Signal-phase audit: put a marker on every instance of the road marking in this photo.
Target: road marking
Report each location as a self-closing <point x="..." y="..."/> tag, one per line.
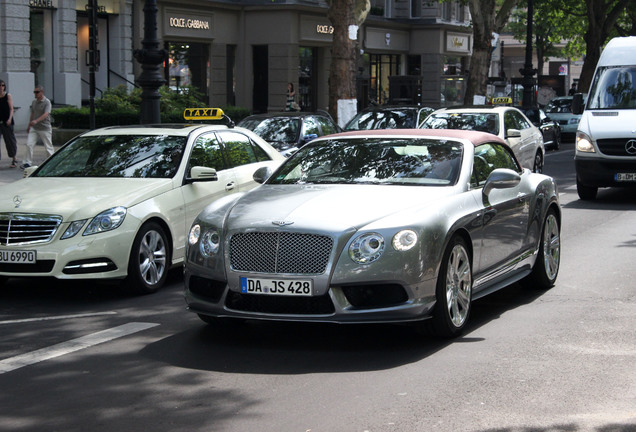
<point x="73" y="345"/>
<point x="56" y="317"/>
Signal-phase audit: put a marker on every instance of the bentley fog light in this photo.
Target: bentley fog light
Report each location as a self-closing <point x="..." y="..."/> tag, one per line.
<point x="106" y="221"/>
<point x="404" y="240"/>
<point x="210" y="243"/>
<point x="195" y="232"/>
<point x="73" y="229"/>
<point x="584" y="143"/>
<point x="366" y="248"/>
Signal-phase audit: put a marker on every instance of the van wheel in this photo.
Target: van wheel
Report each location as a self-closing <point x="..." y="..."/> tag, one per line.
<point x="587" y="193"/>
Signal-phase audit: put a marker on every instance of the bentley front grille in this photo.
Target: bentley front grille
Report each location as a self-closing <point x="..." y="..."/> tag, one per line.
<point x="26" y="228"/>
<point x="280" y="252"/>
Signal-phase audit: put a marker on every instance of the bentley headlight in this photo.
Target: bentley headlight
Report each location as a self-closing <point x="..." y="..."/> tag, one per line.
<point x="195" y="233"/>
<point x="210" y="241"/>
<point x="73" y="229"/>
<point x="366" y="248"/>
<point x="584" y="143"/>
<point x="106" y="221"/>
<point x="404" y="240"/>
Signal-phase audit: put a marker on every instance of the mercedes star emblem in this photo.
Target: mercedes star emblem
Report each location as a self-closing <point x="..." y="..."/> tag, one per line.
<point x="630" y="147"/>
<point x="17" y="200"/>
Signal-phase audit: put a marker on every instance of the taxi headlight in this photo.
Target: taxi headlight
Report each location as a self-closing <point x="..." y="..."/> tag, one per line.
<point x="584" y="143"/>
<point x="366" y="248"/>
<point x="73" y="229"/>
<point x="106" y="221"/>
<point x="404" y="240"/>
<point x="195" y="233"/>
<point x="210" y="241"/>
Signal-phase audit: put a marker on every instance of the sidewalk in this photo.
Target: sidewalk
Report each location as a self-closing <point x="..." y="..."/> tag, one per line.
<point x="9" y="175"/>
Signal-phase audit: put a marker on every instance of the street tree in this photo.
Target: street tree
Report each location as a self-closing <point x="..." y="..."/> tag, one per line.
<point x="488" y="17"/>
<point x="552" y="25"/>
<point x="344" y="53"/>
<point x="602" y="16"/>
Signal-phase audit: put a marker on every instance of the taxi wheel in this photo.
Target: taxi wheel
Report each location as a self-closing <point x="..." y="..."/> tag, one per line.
<point x="546" y="268"/>
<point x="149" y="260"/>
<point x="454" y="291"/>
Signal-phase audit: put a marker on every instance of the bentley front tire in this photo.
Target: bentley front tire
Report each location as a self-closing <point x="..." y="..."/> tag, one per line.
<point x="454" y="291"/>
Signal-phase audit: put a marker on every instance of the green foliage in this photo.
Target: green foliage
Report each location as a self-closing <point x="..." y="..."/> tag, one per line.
<point x="118" y="98"/>
<point x="118" y="106"/>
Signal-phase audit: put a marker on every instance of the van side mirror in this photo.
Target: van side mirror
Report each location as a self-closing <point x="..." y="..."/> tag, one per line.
<point x="577" y="103"/>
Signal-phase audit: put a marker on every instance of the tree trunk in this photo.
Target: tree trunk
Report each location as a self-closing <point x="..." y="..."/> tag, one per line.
<point x="483" y="16"/>
<point x="342" y="75"/>
<point x="486" y="21"/>
<point x="601" y="20"/>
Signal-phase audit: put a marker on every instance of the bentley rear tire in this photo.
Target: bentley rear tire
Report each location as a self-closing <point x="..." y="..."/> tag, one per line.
<point x="546" y="268"/>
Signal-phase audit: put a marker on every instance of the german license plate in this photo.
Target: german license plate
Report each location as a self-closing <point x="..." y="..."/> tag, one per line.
<point x="287" y="287"/>
<point x="626" y="177"/>
<point x="18" y="257"/>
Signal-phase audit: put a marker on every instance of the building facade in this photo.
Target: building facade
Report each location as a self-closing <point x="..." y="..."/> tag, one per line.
<point x="241" y="53"/>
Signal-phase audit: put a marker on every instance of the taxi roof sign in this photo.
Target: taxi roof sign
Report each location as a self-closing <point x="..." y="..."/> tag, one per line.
<point x="501" y="100"/>
<point x="203" y="114"/>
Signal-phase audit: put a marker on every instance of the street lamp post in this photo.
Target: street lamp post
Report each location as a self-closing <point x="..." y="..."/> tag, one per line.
<point x="151" y="59"/>
<point x="527" y="72"/>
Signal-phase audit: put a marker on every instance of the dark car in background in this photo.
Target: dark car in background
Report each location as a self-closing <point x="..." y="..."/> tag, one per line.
<point x="560" y="110"/>
<point x="288" y="131"/>
<point x="550" y="129"/>
<point x="389" y="117"/>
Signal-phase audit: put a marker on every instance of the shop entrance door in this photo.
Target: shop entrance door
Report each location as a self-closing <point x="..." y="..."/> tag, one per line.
<point x="260" y="91"/>
<point x="307" y="78"/>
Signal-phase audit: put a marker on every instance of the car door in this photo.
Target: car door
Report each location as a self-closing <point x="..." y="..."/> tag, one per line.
<point x="207" y="151"/>
<point x="505" y="213"/>
<point x="510" y="121"/>
<point x="244" y="157"/>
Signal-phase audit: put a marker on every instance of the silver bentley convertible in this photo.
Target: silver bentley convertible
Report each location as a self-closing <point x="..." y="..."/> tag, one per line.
<point x="377" y="226"/>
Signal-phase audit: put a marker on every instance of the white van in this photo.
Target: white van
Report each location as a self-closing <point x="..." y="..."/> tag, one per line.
<point x="605" y="152"/>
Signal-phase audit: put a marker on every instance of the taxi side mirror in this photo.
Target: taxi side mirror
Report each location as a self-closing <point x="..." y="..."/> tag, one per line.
<point x="200" y="173"/>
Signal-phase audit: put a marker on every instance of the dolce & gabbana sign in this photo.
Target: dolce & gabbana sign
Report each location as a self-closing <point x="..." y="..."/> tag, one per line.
<point x="181" y="23"/>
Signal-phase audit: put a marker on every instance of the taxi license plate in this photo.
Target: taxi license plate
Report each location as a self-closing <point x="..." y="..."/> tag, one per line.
<point x="18" y="257"/>
<point x="287" y="287"/>
<point x="626" y="177"/>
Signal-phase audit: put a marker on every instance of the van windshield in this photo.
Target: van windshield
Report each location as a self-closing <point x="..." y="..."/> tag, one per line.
<point x="613" y="88"/>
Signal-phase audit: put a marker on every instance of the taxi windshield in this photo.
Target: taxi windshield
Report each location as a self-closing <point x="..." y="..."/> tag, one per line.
<point x="136" y="156"/>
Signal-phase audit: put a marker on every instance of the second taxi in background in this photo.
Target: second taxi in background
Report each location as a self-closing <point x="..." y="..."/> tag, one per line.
<point x="507" y="122"/>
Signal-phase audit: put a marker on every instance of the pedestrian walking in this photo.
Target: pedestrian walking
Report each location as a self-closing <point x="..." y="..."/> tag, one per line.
<point x="39" y="126"/>
<point x="7" y="123"/>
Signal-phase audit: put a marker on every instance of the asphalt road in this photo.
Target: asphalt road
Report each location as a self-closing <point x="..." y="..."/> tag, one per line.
<point x="85" y="357"/>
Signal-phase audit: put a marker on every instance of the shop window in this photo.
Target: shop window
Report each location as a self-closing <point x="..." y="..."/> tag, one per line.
<point x="307" y="79"/>
<point x="382" y="66"/>
<point x="230" y="79"/>
<point x="40" y="40"/>
<point x="188" y="65"/>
